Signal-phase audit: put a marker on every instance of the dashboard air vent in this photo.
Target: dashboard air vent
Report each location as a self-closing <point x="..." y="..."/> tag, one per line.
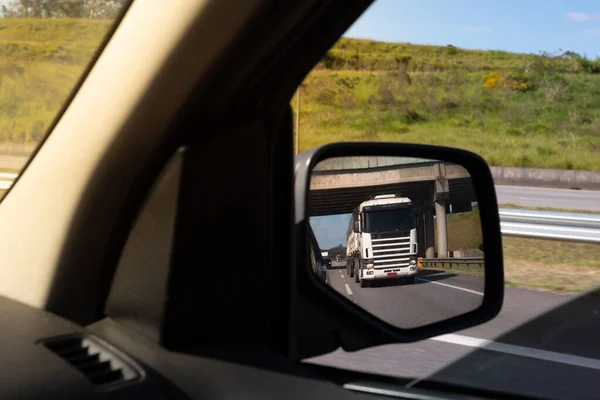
<point x="101" y="365"/>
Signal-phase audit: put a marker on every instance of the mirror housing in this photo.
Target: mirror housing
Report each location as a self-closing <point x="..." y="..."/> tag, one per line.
<point x="356" y="226"/>
<point x="323" y="321"/>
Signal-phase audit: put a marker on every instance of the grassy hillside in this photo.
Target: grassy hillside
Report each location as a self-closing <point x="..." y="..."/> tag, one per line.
<point x="359" y="54"/>
<point x="513" y="109"/>
<point x="40" y="62"/>
<point x="463" y="229"/>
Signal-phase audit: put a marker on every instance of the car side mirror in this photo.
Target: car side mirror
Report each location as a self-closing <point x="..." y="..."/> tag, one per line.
<point x="416" y="269"/>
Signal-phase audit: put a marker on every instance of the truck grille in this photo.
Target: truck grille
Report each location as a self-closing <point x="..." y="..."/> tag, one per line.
<point x="391" y="252"/>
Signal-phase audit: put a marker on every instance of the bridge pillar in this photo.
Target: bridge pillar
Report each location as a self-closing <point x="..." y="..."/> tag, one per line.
<point x="429" y="233"/>
<point x="441" y="194"/>
<point x="442" y="234"/>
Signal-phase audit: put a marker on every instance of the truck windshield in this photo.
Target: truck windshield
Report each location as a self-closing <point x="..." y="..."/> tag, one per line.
<point x="399" y="219"/>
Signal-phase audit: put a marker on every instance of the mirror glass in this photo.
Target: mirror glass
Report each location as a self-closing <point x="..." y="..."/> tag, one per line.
<point x="398" y="236"/>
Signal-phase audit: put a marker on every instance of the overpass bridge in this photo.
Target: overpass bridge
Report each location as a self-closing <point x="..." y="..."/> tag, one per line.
<point x="339" y="185"/>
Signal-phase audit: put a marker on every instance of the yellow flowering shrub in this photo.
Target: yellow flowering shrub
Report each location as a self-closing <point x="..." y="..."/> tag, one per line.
<point x="511" y="80"/>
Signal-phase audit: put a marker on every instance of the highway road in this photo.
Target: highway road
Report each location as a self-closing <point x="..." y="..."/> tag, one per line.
<point x="423" y="358"/>
<point x="433" y="297"/>
<point x="555" y="351"/>
<point x="588" y="200"/>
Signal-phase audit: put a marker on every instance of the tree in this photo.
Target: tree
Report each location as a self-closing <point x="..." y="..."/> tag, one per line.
<point x="103" y="9"/>
<point x="92" y="9"/>
<point x="339" y="250"/>
<point x="65" y="8"/>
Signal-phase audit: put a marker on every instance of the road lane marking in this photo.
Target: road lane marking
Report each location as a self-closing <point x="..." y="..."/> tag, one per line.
<point x="451" y="286"/>
<point x="341" y="275"/>
<point x="521" y="351"/>
<point x="348" y="290"/>
<point x="529" y="198"/>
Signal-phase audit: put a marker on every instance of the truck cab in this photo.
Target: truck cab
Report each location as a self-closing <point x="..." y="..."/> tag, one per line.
<point x="382" y="240"/>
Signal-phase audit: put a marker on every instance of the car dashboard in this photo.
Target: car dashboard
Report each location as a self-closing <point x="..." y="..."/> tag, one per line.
<point x="48" y="357"/>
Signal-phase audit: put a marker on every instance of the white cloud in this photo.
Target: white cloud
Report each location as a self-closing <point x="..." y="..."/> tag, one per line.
<point x="583" y="17"/>
<point x="473" y="29"/>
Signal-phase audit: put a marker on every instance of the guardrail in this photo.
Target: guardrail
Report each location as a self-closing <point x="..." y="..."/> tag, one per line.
<point x="467" y="263"/>
<point x="6" y="180"/>
<point x="513" y="222"/>
<point x="550" y="225"/>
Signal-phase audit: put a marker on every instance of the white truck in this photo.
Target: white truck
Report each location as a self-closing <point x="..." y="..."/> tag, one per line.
<point x="382" y="240"/>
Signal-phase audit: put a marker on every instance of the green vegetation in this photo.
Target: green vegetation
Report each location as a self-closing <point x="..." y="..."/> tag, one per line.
<point x="551" y="265"/>
<point x="513" y="109"/>
<point x="90" y="9"/>
<point x="547" y="265"/>
<point x="551" y="252"/>
<point x="358" y="54"/>
<point x="464" y="230"/>
<point x="40" y="62"/>
<point x="338" y="250"/>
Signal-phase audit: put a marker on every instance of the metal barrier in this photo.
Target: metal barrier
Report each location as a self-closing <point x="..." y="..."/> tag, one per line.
<point x="6" y="180"/>
<point x="550" y="225"/>
<point x="452" y="263"/>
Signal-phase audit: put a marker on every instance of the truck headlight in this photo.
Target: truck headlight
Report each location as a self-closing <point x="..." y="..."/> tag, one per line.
<point x="369" y="266"/>
<point x="412" y="262"/>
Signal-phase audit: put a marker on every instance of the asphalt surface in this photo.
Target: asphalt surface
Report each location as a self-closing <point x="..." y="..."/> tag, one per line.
<point x="541" y="344"/>
<point x="585" y="200"/>
<point x="555" y="356"/>
<point x="433" y="297"/>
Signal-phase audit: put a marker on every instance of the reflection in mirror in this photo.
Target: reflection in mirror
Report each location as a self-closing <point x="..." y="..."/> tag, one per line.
<point x="400" y="237"/>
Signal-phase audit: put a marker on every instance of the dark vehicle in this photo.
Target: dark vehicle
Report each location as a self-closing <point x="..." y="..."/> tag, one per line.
<point x="327" y="262"/>
<point x="317" y="261"/>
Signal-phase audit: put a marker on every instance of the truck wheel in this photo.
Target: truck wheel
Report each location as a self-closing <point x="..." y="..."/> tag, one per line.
<point x="363" y="283"/>
<point x="350" y="271"/>
<point x="356" y="274"/>
<point x="410" y="280"/>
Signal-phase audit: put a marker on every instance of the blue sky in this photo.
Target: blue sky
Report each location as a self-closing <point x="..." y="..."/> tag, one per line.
<point x="330" y="230"/>
<point x="523" y="26"/>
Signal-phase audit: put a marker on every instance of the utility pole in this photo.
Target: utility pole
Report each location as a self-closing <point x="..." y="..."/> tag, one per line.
<point x="297" y="120"/>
